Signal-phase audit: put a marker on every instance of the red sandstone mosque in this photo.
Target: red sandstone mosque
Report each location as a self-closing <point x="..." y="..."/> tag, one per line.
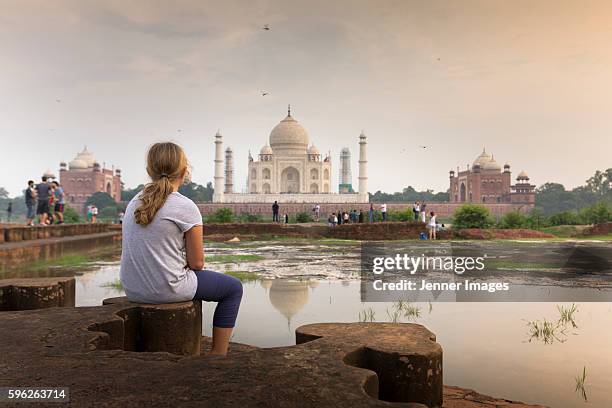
<point x="486" y="182"/>
<point x="84" y="176"/>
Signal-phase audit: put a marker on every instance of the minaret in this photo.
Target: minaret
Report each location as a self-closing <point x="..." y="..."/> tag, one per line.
<point x="346" y="178"/>
<point x="218" y="193"/>
<point x="229" y="171"/>
<point x="363" y="168"/>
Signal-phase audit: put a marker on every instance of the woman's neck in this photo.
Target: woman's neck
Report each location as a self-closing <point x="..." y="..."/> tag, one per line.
<point x="175" y="185"/>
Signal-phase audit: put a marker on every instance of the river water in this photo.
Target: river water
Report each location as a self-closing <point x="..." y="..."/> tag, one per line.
<point x="488" y="347"/>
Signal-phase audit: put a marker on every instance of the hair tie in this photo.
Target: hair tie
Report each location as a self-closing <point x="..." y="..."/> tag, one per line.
<point x="163" y="175"/>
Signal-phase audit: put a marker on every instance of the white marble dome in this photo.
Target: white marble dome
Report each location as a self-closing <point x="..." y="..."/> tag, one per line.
<point x="483" y="159"/>
<point x="266" y="150"/>
<point x="522" y="176"/>
<point x="289" y="135"/>
<point x="77" y="164"/>
<point x="313" y="150"/>
<point x="492" y="165"/>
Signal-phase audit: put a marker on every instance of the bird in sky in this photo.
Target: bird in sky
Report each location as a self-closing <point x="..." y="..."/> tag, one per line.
<point x="423" y="147"/>
<point x="266" y="27"/>
<point x="264" y="93"/>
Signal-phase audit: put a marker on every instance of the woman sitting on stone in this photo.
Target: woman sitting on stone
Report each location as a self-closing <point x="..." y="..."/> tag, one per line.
<point x="163" y="257"/>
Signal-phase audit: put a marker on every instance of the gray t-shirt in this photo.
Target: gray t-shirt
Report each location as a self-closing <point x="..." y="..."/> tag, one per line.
<point x="153" y="259"/>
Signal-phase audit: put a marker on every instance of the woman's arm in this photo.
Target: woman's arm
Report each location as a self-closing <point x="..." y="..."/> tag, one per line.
<point x="194" y="245"/>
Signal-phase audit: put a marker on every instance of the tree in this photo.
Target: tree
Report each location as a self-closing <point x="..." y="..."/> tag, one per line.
<point x="564" y="218"/>
<point x="101" y="200"/>
<point x="598" y="213"/>
<point x="3" y="193"/>
<point x="513" y="219"/>
<point x="128" y="194"/>
<point x="472" y="216"/>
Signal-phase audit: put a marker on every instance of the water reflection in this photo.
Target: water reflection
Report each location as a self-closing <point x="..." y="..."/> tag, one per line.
<point x="485" y="345"/>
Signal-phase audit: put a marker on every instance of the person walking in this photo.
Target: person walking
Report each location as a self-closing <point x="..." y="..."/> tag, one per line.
<point x="371" y="213"/>
<point x="431" y="226"/>
<point x="42" y="194"/>
<point x="162" y="257"/>
<point x="361" y="216"/>
<point x="94" y="213"/>
<point x="423" y="212"/>
<point x="9" y="211"/>
<point x="89" y="213"/>
<point x="286" y="218"/>
<point x="30" y="201"/>
<point x="58" y="192"/>
<point x="383" y="210"/>
<point x="416" y="210"/>
<point x="275" y="208"/>
<point x="317" y="212"/>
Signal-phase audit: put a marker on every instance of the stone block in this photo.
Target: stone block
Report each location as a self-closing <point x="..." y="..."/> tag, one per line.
<point x="40" y="293"/>
<point x="171" y="327"/>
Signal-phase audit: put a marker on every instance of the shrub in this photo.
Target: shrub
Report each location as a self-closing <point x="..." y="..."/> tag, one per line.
<point x="71" y="216"/>
<point x="223" y="215"/>
<point x="564" y="218"/>
<point x="302" y="217"/>
<point x="513" y="219"/>
<point x="406" y="215"/>
<point x="472" y="216"/>
<point x="597" y="213"/>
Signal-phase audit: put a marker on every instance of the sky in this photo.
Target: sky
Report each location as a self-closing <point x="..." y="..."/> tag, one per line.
<point x="529" y="80"/>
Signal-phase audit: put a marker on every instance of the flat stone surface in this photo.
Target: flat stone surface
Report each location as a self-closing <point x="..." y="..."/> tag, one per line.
<point x="82" y="348"/>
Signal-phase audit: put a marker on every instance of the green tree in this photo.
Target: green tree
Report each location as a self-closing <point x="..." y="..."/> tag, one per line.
<point x="472" y="216"/>
<point x="598" y="213"/>
<point x="512" y="220"/>
<point x="564" y="218"/>
<point x="101" y="200"/>
<point x="128" y="194"/>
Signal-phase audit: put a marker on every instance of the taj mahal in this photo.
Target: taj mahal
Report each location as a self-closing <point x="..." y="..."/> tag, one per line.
<point x="288" y="169"/>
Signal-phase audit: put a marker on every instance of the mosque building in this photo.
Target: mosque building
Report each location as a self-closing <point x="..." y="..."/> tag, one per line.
<point x="84" y="176"/>
<point x="486" y="182"/>
<point x="289" y="168"/>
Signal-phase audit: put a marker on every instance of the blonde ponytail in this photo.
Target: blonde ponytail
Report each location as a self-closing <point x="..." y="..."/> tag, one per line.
<point x="166" y="162"/>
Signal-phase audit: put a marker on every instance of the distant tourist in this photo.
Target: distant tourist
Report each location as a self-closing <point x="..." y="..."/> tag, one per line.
<point x="360" y="216"/>
<point x="121" y="215"/>
<point x="345" y="218"/>
<point x="42" y="194"/>
<point x="330" y="220"/>
<point x="371" y="213"/>
<point x="58" y="193"/>
<point x="431" y="226"/>
<point x="94" y="214"/>
<point x="30" y="200"/>
<point x="335" y="219"/>
<point x="286" y="218"/>
<point x="89" y="213"/>
<point x="275" y="208"/>
<point x="9" y="211"/>
<point x="416" y="210"/>
<point x="317" y="212"/>
<point x="423" y="212"/>
<point x="383" y="210"/>
<point x="339" y="218"/>
<point x="162" y="259"/>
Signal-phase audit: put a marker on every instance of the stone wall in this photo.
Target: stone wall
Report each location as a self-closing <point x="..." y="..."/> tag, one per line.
<point x="445" y="210"/>
<point x="372" y="232"/>
<point x="12" y="233"/>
